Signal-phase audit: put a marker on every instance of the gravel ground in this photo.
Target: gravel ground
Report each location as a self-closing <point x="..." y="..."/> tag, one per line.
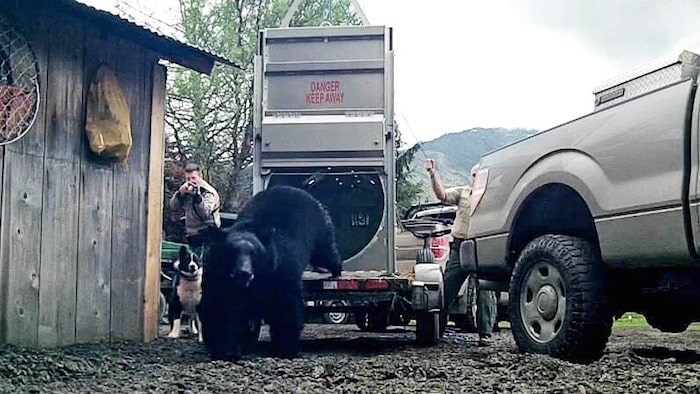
<point x="340" y="359"/>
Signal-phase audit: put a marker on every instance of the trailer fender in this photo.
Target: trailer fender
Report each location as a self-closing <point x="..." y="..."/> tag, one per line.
<point x="427" y="288"/>
<point x="428" y="273"/>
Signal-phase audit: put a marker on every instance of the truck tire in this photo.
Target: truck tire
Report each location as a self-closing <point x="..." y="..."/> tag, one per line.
<point x="666" y="322"/>
<point x="558" y="299"/>
<point x="428" y="327"/>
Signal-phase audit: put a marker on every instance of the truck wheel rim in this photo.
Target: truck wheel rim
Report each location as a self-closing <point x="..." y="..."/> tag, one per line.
<point x="336" y="317"/>
<point x="543" y="302"/>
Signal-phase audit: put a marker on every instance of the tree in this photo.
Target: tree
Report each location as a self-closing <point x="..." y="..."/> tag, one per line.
<point x="209" y="119"/>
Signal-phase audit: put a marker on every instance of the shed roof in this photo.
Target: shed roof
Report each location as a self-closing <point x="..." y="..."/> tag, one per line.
<point x="170" y="48"/>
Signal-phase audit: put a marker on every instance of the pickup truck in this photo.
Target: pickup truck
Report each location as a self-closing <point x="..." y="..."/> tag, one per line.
<point x="597" y="217"/>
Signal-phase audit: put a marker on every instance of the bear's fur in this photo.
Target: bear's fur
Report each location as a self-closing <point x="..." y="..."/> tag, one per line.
<point x="253" y="270"/>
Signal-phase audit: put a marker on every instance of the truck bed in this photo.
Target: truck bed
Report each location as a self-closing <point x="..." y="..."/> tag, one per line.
<point x="625" y="162"/>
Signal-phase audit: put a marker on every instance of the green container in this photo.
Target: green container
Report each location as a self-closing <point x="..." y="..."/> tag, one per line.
<point x="170" y="250"/>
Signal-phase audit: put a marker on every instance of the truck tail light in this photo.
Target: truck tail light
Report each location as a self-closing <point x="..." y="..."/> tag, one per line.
<point x="479" y="188"/>
<point x="440" y="247"/>
<point x="356" y="284"/>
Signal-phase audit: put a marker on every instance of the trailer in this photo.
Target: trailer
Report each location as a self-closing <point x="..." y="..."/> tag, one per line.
<point x="324" y="122"/>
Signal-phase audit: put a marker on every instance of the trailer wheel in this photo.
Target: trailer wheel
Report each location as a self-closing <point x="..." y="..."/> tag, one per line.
<point x="375" y="321"/>
<point x="336" y="317"/>
<point x="360" y="320"/>
<point x="428" y="328"/>
<point x="558" y="299"/>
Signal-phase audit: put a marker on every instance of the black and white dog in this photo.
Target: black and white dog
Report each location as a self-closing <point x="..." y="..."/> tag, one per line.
<point x="187" y="294"/>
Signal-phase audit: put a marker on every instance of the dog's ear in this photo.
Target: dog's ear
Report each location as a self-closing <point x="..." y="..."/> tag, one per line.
<point x="194" y="257"/>
<point x="184" y="255"/>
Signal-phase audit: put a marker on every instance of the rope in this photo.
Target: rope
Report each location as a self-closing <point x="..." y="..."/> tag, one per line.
<point x="329" y="13"/>
<point x="410" y="130"/>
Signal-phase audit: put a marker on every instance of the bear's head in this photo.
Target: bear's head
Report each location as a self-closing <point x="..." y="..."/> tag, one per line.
<point x="230" y="266"/>
<point x="237" y="256"/>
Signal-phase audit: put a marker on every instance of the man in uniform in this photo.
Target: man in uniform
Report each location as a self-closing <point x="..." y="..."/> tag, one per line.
<point x="455" y="275"/>
<point x="201" y="204"/>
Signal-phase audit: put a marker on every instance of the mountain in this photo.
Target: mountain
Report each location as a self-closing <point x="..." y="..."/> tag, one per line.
<point x="456" y="153"/>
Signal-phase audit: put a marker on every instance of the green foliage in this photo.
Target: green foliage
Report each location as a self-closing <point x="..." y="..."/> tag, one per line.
<point x="408" y="190"/>
<point x="209" y="119"/>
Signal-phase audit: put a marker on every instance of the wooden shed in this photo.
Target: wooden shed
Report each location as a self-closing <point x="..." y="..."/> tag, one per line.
<point x="80" y="235"/>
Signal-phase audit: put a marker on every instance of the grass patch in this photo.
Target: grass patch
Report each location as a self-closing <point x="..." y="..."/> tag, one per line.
<point x="627" y="321"/>
<point x="631" y="320"/>
<point x="635" y="320"/>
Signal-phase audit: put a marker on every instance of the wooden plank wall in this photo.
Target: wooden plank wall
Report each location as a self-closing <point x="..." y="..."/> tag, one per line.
<point x="74" y="229"/>
<point x="129" y="208"/>
<point x="95" y="221"/>
<point x="62" y="157"/>
<point x="23" y="169"/>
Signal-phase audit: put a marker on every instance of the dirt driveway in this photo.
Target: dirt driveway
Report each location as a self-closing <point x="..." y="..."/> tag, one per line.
<point x="340" y="359"/>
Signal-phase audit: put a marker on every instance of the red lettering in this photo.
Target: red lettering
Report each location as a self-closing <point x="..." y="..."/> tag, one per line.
<point x="325" y="92"/>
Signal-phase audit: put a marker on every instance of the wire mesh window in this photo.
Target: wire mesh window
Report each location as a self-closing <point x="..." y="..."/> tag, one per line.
<point x="19" y="84"/>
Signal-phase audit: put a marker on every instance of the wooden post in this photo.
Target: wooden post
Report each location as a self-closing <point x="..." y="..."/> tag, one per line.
<point x="4" y="267"/>
<point x="155" y="205"/>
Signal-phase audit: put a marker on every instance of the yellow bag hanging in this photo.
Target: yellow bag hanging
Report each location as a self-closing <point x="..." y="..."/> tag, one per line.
<point x="108" y="123"/>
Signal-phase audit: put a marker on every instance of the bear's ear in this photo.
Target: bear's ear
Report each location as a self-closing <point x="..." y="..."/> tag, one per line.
<point x="217" y="234"/>
<point x="265" y="257"/>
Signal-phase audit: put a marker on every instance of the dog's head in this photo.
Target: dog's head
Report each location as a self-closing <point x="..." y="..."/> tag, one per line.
<point x="187" y="264"/>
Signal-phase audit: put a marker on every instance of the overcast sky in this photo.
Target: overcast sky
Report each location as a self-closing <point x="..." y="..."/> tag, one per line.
<point x="519" y="63"/>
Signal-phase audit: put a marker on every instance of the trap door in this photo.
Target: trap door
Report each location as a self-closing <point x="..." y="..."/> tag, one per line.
<point x="324" y="95"/>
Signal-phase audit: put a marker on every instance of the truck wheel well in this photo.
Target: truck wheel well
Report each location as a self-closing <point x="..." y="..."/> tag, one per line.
<point x="551" y="209"/>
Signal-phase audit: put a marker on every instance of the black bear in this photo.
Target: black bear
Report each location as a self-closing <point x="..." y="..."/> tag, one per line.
<point x="253" y="270"/>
